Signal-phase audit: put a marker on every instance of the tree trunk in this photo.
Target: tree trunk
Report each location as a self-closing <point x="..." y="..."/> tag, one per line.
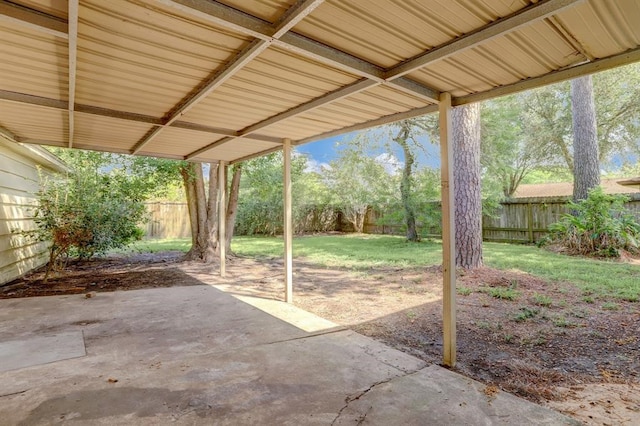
<point x="405" y="184"/>
<point x="468" y="201"/>
<point x="232" y="206"/>
<point x="202" y="212"/>
<point x="586" y="167"/>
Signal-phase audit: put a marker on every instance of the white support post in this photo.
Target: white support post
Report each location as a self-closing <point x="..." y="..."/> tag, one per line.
<point x="448" y="234"/>
<point x="222" y="216"/>
<point x="288" y="224"/>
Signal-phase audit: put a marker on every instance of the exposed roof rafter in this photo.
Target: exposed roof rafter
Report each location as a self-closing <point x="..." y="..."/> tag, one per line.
<point x="294" y="15"/>
<point x="233" y="19"/>
<point x="11" y="12"/>
<point x="9" y="134"/>
<point x="536" y="11"/>
<point x="73" y="59"/>
<point x="123" y="115"/>
<point x="300" y="109"/>
<point x="372" y="123"/>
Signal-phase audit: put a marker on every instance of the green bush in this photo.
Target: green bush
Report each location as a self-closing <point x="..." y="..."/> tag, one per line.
<point x="82" y="217"/>
<point x="598" y="226"/>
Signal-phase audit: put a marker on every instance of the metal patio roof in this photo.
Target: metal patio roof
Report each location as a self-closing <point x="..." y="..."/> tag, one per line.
<point x="228" y="80"/>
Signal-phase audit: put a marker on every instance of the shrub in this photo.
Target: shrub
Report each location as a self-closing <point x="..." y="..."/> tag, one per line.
<point x="598" y="226"/>
<point x="82" y="217"/>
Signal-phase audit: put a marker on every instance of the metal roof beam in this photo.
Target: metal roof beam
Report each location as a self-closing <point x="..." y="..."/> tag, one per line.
<point x="257" y="154"/>
<point x="626" y="58"/>
<point x="34" y="19"/>
<point x="123" y="115"/>
<point x="525" y="16"/>
<point x="372" y="123"/>
<point x="216" y="80"/>
<point x="73" y="59"/>
<point x="294" y="15"/>
<point x="300" y="109"/>
<point x="9" y="134"/>
<point x="233" y="19"/>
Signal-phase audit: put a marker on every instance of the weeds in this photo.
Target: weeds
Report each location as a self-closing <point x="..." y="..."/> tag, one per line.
<point x="464" y="291"/>
<point x="501" y="293"/>
<point x="525" y="314"/>
<point x="542" y="300"/>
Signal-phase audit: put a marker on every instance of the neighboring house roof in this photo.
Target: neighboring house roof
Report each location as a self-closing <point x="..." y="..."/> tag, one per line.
<point x="631" y="182"/>
<point x="565" y="189"/>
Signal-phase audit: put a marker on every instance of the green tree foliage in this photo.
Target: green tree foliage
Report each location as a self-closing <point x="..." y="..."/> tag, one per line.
<point x="359" y="182"/>
<point x="531" y="132"/>
<point x="260" y="208"/>
<point x="598" y="226"/>
<point x="616" y="94"/>
<point x="98" y="205"/>
<point x="510" y="149"/>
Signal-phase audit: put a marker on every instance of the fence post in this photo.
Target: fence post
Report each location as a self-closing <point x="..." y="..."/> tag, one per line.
<point x="530" y="222"/>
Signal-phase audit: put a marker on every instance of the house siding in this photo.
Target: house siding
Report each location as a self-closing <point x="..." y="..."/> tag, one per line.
<point x="20" y="171"/>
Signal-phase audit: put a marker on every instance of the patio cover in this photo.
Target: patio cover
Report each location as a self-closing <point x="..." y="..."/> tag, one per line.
<point x="229" y="80"/>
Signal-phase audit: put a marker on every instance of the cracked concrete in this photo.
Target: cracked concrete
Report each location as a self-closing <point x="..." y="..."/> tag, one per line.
<point x="197" y="356"/>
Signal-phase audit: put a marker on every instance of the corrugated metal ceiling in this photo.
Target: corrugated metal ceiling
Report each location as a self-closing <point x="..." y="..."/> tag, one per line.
<point x="207" y="80"/>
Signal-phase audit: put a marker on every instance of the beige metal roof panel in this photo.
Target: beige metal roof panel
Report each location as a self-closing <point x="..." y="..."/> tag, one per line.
<point x="534" y="50"/>
<point x="34" y="122"/>
<point x="604" y="27"/>
<point x="268" y="10"/>
<point x="150" y="63"/>
<point x="105" y="133"/>
<point x="303" y="126"/>
<point x="384" y="35"/>
<point x="237" y="148"/>
<point x="33" y="62"/>
<point x="276" y="81"/>
<point x="362" y="107"/>
<point x="180" y="142"/>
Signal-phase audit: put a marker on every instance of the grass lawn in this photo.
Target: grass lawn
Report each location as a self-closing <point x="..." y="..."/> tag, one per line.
<point x="595" y="277"/>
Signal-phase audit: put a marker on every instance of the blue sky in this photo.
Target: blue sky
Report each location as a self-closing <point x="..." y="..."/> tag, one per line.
<point x="325" y="150"/>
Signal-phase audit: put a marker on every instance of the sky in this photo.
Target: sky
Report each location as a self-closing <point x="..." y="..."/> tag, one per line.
<point x="323" y="151"/>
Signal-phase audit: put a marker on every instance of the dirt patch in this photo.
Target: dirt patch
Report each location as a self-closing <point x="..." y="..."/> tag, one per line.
<point x="547" y="342"/>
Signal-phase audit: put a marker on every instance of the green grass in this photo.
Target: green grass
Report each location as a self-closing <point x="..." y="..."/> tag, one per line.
<point x="601" y="278"/>
<point x="154" y="246"/>
<point x="351" y="251"/>
<point x="596" y="278"/>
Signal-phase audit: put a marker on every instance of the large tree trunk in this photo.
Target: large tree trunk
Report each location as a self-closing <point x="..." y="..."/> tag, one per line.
<point x="202" y="211"/>
<point x="586" y="167"/>
<point x="405" y="184"/>
<point x="232" y="206"/>
<point x="468" y="201"/>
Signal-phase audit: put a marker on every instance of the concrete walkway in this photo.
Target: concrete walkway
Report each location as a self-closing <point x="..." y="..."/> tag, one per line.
<point x="198" y="356"/>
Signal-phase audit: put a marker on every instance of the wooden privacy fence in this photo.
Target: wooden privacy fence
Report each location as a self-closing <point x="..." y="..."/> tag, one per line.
<point x="167" y="220"/>
<point x="527" y="220"/>
<point x="519" y="221"/>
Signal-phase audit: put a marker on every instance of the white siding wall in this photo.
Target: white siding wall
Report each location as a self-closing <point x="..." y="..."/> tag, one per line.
<point x="19" y="182"/>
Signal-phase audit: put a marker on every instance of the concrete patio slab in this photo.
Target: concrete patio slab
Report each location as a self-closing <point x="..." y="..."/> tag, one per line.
<point x="39" y="350"/>
<point x="197" y="356"/>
